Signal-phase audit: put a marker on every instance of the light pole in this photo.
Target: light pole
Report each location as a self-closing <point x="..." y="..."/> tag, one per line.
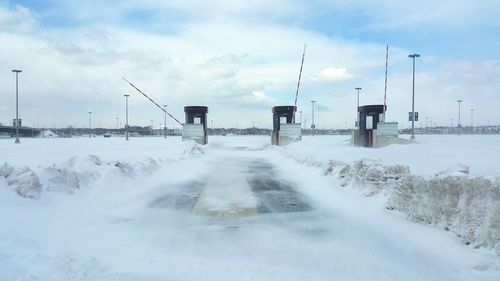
<point x="117" y="123"/>
<point x="152" y="131"/>
<point x="90" y="124"/>
<point x="126" y="116"/>
<point x="413" y="98"/>
<point x="356" y="122"/>
<point x="312" y="125"/>
<point x="459" y="125"/>
<point x="472" y="120"/>
<point x="165" y="129"/>
<point x="17" y="71"/>
<point x="300" y="112"/>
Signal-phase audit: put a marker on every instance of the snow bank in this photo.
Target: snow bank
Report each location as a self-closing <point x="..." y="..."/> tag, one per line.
<point x="452" y="200"/>
<point x="466" y="206"/>
<point x="24" y="180"/>
<point x="81" y="171"/>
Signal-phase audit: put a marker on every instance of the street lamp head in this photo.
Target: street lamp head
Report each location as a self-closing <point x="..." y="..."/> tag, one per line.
<point x="126" y="96"/>
<point x="17" y="70"/>
<point x="313" y="101"/>
<point x="459" y="100"/>
<point x="358" y="88"/>
<point x="414" y="56"/>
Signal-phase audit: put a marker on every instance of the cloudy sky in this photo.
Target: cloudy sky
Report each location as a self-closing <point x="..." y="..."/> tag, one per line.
<point x="240" y="58"/>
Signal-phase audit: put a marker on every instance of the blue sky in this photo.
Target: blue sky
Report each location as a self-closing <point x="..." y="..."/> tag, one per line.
<point x="240" y="58"/>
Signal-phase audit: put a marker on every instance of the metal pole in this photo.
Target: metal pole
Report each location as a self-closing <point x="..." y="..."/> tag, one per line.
<point x="459" y="125"/>
<point x="90" y="124"/>
<point x="212" y="125"/>
<point x="165" y="129"/>
<point x="117" y="123"/>
<point x="312" y="125"/>
<point x="17" y="71"/>
<point x="356" y="122"/>
<point x="413" y="98"/>
<point x="472" y="119"/>
<point x="126" y="116"/>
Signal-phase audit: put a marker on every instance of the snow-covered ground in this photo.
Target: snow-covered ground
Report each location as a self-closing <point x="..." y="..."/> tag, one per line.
<point x="236" y="209"/>
<point x="430" y="155"/>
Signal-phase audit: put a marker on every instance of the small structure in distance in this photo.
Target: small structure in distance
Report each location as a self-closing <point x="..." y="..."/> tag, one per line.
<point x="285" y="131"/>
<point x="372" y="131"/>
<point x="195" y="126"/>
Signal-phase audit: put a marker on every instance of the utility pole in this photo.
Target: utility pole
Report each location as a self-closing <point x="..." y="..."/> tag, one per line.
<point x="17" y="71"/>
<point x="413" y="98"/>
<point x="126" y="116"/>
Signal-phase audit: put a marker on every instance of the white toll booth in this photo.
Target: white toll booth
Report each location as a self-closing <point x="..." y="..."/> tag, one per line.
<point x="284" y="130"/>
<point x="372" y="132"/>
<point x="195" y="127"/>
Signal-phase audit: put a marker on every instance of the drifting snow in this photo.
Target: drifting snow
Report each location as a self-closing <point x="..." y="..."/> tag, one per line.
<point x="112" y="210"/>
<point x="453" y="200"/>
<point x="22" y="179"/>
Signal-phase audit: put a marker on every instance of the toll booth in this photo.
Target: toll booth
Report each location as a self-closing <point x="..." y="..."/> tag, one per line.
<point x="368" y="119"/>
<point x="285" y="131"/>
<point x="195" y="126"/>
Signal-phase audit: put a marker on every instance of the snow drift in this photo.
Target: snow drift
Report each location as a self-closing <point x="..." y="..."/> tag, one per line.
<point x="452" y="200"/>
<point x="79" y="172"/>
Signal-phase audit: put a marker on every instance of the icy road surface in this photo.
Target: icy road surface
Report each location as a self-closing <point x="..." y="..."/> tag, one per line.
<point x="233" y="211"/>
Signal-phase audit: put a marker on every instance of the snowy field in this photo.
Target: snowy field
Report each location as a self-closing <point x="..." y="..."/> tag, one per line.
<point x="240" y="209"/>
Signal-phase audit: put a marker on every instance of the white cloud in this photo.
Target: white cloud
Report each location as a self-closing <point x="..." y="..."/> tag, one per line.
<point x="18" y="19"/>
<point x="333" y="74"/>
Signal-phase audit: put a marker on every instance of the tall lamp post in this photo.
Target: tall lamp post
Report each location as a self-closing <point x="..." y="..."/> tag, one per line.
<point x="117" y="123"/>
<point x="472" y="120"/>
<point x="165" y="128"/>
<point x="357" y="108"/>
<point x="312" y="124"/>
<point x="126" y="116"/>
<point x="90" y="124"/>
<point x="459" y="126"/>
<point x="17" y="71"/>
<point x="413" y="98"/>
